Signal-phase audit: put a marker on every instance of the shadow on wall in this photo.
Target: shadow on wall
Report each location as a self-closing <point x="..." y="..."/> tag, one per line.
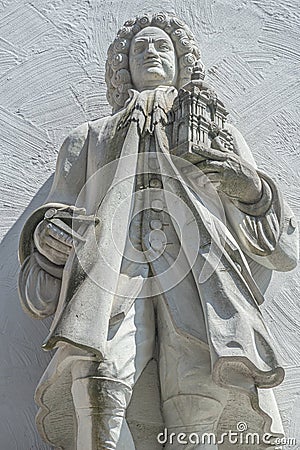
<point x="22" y="361"/>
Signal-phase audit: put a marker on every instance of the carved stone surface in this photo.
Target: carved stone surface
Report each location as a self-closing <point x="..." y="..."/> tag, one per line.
<point x="229" y="403"/>
<point x="136" y="248"/>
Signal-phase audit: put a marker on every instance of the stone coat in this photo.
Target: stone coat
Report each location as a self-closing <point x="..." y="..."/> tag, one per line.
<point x="96" y="287"/>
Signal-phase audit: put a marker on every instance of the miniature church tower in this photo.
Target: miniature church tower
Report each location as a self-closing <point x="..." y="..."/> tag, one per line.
<point x="199" y="117"/>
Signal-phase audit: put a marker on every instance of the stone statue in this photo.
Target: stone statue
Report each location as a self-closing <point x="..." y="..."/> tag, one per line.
<point x="154" y="243"/>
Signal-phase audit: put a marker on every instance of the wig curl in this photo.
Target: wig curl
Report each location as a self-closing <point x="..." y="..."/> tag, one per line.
<point x="117" y="74"/>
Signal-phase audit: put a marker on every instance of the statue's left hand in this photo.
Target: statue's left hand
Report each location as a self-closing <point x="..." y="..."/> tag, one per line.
<point x="234" y="177"/>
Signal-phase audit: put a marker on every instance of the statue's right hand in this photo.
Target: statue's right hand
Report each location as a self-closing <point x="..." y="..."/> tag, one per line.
<point x="52" y="242"/>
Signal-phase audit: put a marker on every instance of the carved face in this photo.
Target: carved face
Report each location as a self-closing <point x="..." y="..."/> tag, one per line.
<point x="152" y="59"/>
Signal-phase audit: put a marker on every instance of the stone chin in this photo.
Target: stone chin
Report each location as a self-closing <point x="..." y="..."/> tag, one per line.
<point x="154" y="73"/>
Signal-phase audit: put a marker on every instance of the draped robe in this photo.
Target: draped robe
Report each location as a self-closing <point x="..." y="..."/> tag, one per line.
<point x="221" y="239"/>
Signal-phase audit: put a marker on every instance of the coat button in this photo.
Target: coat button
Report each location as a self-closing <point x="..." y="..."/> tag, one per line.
<point x="293" y="222"/>
<point x="157" y="240"/>
<point x="157" y="205"/>
<point x="155" y="183"/>
<point x="157" y="245"/>
<point x="156" y="225"/>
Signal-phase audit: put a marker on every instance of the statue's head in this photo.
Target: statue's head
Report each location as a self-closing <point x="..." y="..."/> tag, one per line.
<point x="150" y="51"/>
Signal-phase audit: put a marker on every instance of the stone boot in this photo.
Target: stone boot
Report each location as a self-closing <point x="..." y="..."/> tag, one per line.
<point x="100" y="405"/>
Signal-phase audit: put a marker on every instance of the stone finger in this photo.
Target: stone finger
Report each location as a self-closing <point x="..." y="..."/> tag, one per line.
<point x="211" y="166"/>
<point x="54" y="255"/>
<point x="60" y="246"/>
<point x="59" y="234"/>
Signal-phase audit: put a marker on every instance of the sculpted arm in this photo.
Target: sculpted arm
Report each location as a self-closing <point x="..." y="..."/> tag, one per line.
<point x="44" y="248"/>
<point x="266" y="228"/>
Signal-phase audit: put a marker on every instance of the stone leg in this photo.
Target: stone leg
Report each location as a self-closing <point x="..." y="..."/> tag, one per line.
<point x="190" y="422"/>
<point x="100" y="405"/>
<point x="101" y="392"/>
<point x="191" y="402"/>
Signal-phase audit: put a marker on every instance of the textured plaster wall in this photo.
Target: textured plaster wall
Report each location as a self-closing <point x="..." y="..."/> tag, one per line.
<point x="52" y="56"/>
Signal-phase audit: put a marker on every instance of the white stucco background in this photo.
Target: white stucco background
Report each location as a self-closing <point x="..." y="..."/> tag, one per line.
<point x="52" y="56"/>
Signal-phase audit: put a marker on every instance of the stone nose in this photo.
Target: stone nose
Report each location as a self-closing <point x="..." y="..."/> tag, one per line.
<point x="151" y="50"/>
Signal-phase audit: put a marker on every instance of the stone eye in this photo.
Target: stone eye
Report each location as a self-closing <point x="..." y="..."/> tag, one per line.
<point x="164" y="46"/>
<point x="139" y="47"/>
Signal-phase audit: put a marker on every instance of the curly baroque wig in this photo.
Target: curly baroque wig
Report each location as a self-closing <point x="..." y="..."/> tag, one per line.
<point x="117" y="76"/>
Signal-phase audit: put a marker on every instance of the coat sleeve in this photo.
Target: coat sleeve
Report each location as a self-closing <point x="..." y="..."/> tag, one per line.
<point x="267" y="230"/>
<point x="39" y="278"/>
<point x="71" y="167"/>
